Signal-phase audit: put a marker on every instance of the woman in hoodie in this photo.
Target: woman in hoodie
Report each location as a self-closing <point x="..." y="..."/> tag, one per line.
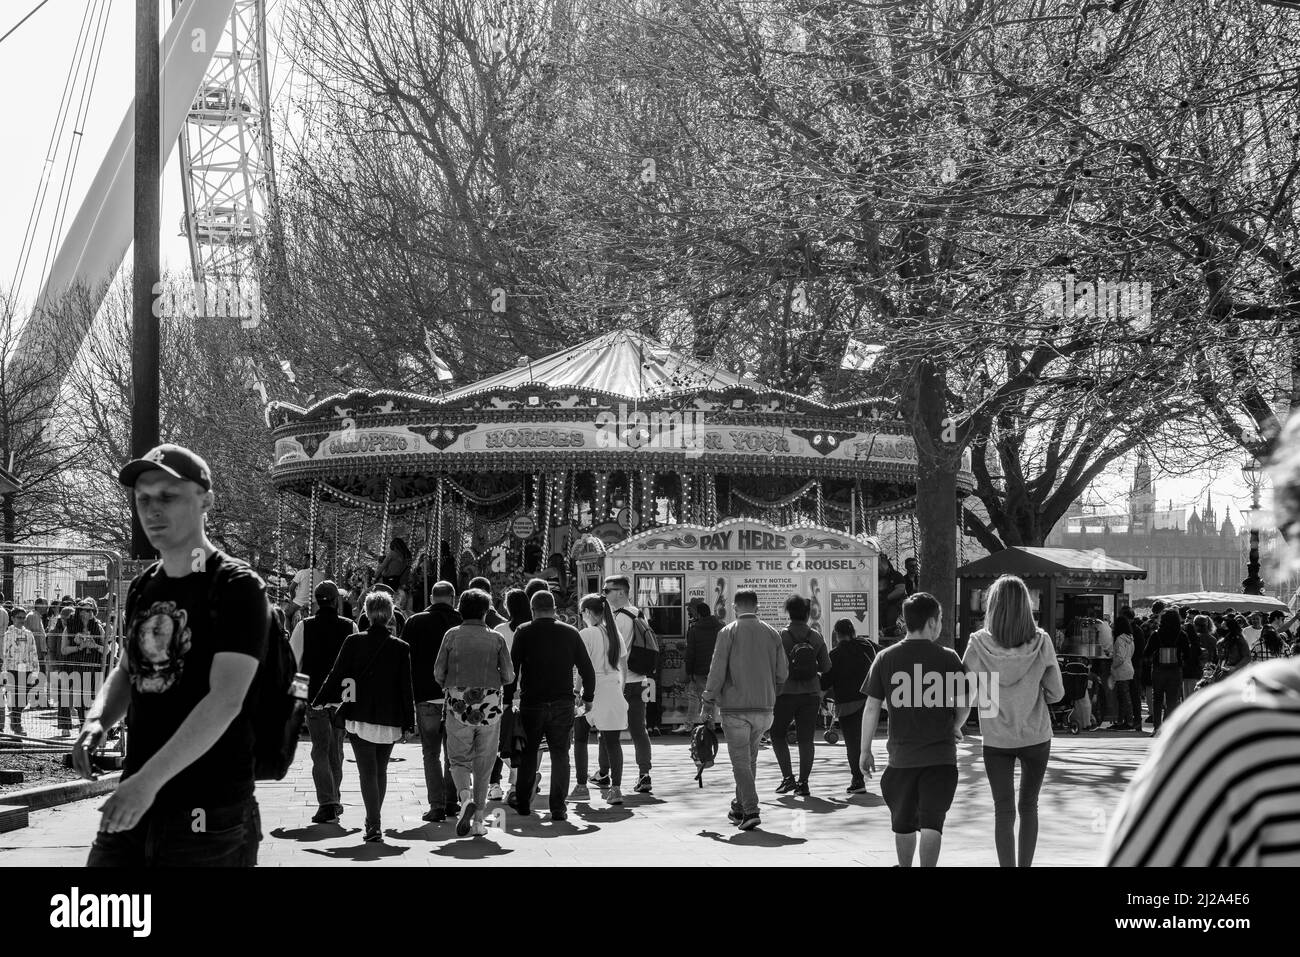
<point x="1128" y="693"/>
<point x="1017" y="661"/>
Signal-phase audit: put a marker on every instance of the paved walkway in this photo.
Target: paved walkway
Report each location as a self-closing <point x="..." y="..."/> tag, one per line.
<point x="680" y="824"/>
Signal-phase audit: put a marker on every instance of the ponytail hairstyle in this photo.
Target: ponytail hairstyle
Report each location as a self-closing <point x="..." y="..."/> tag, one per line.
<point x="613" y="641"/>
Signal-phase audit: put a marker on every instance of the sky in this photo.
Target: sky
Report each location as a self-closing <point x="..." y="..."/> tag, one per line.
<point x="34" y="63"/>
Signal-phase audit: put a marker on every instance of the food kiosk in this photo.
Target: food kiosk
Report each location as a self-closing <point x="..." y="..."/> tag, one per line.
<point x="672" y="566"/>
<point x="1069" y="588"/>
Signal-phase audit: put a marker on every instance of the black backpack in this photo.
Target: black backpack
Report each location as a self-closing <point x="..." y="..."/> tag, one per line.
<point x="803" y="659"/>
<point x="643" y="649"/>
<point x="704" y="750"/>
<point x="276" y="706"/>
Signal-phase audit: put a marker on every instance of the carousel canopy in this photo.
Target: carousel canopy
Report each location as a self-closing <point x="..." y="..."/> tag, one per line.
<point x="620" y="403"/>
<point x="623" y="363"/>
<point x="1022" y="561"/>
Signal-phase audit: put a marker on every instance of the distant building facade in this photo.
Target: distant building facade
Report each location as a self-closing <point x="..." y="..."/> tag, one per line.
<point x="1180" y="553"/>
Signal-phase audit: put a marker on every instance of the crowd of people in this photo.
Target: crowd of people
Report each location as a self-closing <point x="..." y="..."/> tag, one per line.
<point x="40" y="647"/>
<point x="488" y="691"/>
<point x="1150" y="665"/>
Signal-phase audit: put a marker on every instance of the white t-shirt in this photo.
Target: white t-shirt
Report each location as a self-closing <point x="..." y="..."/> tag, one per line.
<point x="1252" y="634"/>
<point x="304" y="586"/>
<point x="506" y="632"/>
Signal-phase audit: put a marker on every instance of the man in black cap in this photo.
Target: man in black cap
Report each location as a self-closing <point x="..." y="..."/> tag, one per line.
<point x="194" y="630"/>
<point x="316" y="642"/>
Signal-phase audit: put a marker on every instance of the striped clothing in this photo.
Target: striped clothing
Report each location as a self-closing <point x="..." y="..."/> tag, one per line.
<point x="1221" y="787"/>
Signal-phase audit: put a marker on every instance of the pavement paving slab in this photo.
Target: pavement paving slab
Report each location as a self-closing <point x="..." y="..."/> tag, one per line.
<point x="680" y="824"/>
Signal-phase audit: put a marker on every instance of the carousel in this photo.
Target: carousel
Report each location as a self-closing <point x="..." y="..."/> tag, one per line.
<point x="544" y="469"/>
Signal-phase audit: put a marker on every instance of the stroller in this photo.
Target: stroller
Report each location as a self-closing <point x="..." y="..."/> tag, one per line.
<point x="827" y="721"/>
<point x="1080" y="683"/>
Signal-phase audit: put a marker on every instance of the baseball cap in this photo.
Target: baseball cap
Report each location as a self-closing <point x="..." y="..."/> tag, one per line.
<point x="175" y="460"/>
<point x="327" y="593"/>
<point x="89" y="603"/>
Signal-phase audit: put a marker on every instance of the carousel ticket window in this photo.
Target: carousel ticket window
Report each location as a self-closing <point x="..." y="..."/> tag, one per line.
<point x="660" y="598"/>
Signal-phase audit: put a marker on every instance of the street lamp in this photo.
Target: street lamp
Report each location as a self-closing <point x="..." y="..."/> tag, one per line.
<point x="1251" y="584"/>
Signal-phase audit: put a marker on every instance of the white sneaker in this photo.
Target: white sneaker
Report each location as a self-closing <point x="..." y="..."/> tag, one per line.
<point x="615" y="796"/>
<point x="495" y="793"/>
<point x="580" y="793"/>
<point x="478" y="830"/>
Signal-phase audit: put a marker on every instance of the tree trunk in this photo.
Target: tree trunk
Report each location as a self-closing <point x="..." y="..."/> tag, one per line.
<point x="938" y="459"/>
<point x="936" y="514"/>
<point x="9" y="515"/>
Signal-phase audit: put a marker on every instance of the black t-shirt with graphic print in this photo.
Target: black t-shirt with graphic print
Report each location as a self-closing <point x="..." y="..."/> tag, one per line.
<point x="169" y="646"/>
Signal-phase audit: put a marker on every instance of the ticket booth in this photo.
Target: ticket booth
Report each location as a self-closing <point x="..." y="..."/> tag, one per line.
<point x="672" y="566"/>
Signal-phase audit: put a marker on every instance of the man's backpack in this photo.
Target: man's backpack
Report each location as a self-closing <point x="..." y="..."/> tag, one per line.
<point x="643" y="652"/>
<point x="276" y="708"/>
<point x="704" y="750"/>
<point x="803" y="659"/>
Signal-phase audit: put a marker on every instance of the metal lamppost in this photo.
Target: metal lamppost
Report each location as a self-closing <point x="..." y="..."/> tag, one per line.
<point x="1252" y="584"/>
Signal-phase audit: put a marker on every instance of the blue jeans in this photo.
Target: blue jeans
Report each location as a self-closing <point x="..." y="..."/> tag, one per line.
<point x="610" y="746"/>
<point x="372" y="775"/>
<point x="1166" y="692"/>
<point x="1000" y="764"/>
<point x="743" y="730"/>
<point x="472" y="750"/>
<point x="632" y="694"/>
<point x="554" y="721"/>
<point x="437" y="771"/>
<point x="166" y="838"/>
<point x="326" y="756"/>
<point x="802" y="710"/>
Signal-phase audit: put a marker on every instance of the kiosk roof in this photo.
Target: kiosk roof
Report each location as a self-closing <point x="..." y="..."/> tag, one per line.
<point x="1022" y="561"/>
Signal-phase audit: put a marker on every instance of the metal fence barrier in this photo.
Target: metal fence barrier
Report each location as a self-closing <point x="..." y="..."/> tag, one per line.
<point x="55" y="657"/>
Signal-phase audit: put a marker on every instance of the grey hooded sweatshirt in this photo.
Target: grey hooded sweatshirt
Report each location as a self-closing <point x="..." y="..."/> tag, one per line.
<point x="1027" y="677"/>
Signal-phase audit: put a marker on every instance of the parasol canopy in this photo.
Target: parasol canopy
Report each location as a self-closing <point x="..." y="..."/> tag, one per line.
<point x="1217" y="601"/>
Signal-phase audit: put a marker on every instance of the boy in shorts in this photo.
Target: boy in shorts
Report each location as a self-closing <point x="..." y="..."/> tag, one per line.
<point x="924" y="686"/>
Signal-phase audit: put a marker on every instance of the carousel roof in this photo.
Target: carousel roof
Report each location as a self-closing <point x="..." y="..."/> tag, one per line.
<point x="622" y="363"/>
<point x="619" y="366"/>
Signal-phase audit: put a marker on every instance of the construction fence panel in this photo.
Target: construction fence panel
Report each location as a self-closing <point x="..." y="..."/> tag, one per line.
<point x="59" y="641"/>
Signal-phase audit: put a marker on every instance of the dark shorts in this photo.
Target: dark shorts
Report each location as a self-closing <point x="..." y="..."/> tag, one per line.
<point x="228" y="836"/>
<point x="918" y="798"/>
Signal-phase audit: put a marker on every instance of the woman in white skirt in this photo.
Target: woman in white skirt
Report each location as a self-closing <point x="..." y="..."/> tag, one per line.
<point x="608" y="713"/>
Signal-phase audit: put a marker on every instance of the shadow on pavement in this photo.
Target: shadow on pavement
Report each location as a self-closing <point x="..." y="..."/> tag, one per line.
<point x="471" y="849"/>
<point x="602" y="815"/>
<point x="632" y="799"/>
<point x="361" y="852"/>
<point x="812" y="805"/>
<point x="850" y="800"/>
<point x="542" y="826"/>
<point x="754" y="838"/>
<point x="439" y="831"/>
<point x="314" y="832"/>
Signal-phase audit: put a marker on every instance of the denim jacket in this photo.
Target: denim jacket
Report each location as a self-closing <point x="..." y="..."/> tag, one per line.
<point x="473" y="656"/>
